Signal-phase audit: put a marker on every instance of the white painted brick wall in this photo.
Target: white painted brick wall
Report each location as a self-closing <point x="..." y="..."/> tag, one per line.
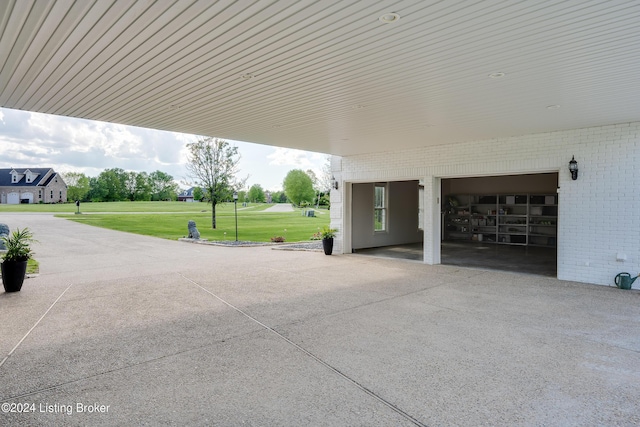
<point x="599" y="214"/>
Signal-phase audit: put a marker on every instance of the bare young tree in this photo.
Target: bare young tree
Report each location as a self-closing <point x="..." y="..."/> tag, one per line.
<point x="325" y="177"/>
<point x="322" y="184"/>
<point x="213" y="165"/>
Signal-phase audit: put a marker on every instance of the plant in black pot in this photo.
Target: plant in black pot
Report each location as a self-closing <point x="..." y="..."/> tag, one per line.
<point x="14" y="261"/>
<point x="327" y="239"/>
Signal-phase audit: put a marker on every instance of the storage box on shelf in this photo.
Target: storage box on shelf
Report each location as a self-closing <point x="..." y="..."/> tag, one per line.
<point x="525" y="219"/>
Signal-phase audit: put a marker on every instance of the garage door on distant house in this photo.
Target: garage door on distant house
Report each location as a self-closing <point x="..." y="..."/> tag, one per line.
<point x="13" y="198"/>
<point x="26" y="198"/>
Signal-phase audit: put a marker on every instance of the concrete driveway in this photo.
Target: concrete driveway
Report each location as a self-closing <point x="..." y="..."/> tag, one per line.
<point x="280" y="207"/>
<point x="120" y="329"/>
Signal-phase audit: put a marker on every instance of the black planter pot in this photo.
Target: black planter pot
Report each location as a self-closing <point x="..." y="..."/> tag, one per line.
<point x="327" y="245"/>
<point x="13" y="273"/>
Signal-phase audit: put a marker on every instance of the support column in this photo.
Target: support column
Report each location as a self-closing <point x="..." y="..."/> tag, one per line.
<point x="432" y="219"/>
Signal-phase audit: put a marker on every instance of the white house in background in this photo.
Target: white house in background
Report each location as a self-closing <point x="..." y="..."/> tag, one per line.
<point x="32" y="185"/>
<point x="446" y="120"/>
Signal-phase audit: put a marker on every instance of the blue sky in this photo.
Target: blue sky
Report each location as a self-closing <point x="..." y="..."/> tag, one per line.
<point x="76" y="145"/>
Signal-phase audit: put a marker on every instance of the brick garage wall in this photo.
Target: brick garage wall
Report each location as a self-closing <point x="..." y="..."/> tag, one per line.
<point x="599" y="214"/>
<point x="57" y="188"/>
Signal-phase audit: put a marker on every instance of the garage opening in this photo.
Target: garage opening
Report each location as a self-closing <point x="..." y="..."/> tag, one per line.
<point x="387" y="218"/>
<point x="26" y="198"/>
<point x="501" y="222"/>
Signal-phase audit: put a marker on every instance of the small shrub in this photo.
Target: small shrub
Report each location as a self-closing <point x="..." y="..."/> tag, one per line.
<point x="328" y="233"/>
<point x="277" y="239"/>
<point x="18" y="245"/>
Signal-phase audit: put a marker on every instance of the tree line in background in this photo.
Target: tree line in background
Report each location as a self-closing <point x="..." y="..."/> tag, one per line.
<point x="213" y="166"/>
<point x="114" y="185"/>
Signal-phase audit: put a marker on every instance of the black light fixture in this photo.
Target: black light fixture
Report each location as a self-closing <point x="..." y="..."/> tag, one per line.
<point x="334" y="182"/>
<point x="573" y="168"/>
<point x="235" y="208"/>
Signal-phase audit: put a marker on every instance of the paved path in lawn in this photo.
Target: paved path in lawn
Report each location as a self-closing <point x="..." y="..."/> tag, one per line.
<point x="121" y="329"/>
<point x="280" y="207"/>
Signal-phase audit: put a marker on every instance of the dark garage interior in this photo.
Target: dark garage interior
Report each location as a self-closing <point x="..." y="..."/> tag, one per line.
<point x="501" y="222"/>
<point x="498" y="222"/>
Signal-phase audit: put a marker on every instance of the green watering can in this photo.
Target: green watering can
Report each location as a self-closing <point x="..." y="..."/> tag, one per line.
<point x="624" y="280"/>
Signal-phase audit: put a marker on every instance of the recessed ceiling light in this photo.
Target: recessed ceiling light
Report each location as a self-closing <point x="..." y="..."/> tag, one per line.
<point x="248" y="76"/>
<point x="389" y="18"/>
<point x="174" y="107"/>
<point x="553" y="107"/>
<point x="497" y="75"/>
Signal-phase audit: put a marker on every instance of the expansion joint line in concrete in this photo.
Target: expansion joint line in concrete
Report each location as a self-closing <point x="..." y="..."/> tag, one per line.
<point x="313" y="356"/>
<point x="33" y="327"/>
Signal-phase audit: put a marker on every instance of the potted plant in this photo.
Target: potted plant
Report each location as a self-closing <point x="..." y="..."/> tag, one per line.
<point x="327" y="239"/>
<point x="14" y="264"/>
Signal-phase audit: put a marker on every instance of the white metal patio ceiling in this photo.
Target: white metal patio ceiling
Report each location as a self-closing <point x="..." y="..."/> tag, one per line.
<point x="326" y="76"/>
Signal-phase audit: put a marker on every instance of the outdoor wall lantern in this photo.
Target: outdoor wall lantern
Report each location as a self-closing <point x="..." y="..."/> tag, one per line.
<point x="334" y="182"/>
<point x="573" y="168"/>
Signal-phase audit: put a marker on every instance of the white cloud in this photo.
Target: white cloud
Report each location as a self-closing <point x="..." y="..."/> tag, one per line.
<point x="290" y="157"/>
<point x="68" y="144"/>
<point x="77" y="145"/>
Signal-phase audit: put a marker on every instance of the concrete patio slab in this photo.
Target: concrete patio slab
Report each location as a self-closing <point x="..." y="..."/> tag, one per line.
<point x="121" y="329"/>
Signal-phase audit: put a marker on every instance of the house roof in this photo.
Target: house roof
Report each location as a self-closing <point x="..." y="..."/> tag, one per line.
<point x="339" y="77"/>
<point x="5" y="177"/>
<point x="187" y="193"/>
<point x="49" y="179"/>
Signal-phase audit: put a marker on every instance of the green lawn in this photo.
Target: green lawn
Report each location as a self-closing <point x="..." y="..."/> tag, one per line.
<point x="110" y="207"/>
<point x="168" y="220"/>
<point x="33" y="266"/>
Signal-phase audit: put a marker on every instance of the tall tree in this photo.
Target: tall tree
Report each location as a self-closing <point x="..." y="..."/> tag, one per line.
<point x="97" y="190"/>
<point x="278" y="197"/>
<point x="213" y="164"/>
<point x="315" y="182"/>
<point x="113" y="184"/>
<point x="77" y="185"/>
<point x="197" y="194"/>
<point x="256" y="194"/>
<point x="298" y="187"/>
<point x="163" y="187"/>
<point x="130" y="185"/>
<point x="313" y="177"/>
<point x="143" y="187"/>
